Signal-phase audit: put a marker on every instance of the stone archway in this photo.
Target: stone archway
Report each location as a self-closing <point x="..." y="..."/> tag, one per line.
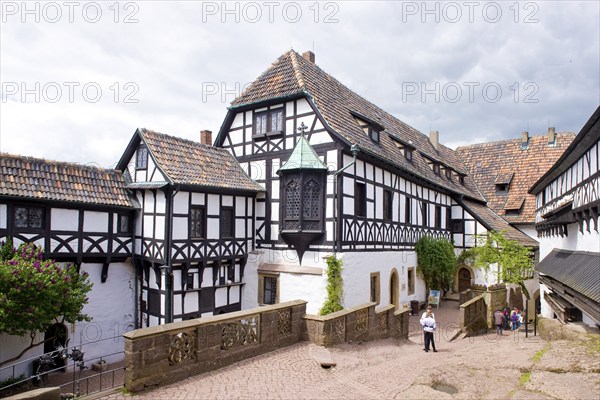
<point x="394" y="288"/>
<point x="464" y="278"/>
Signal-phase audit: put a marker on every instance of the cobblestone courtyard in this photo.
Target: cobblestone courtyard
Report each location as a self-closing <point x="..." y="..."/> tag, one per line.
<point x="489" y="367"/>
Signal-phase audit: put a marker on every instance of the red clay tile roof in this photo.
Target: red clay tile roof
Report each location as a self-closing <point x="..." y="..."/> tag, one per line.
<point x="191" y="163"/>
<point x="36" y="178"/>
<point x="490" y="162"/>
<point x="496" y="223"/>
<point x="291" y="75"/>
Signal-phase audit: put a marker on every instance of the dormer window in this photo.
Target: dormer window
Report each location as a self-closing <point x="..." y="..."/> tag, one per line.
<point x="374" y="134"/>
<point x="407" y="149"/>
<point x="448" y="173"/>
<point x="436" y="168"/>
<point x="461" y="179"/>
<point x="369" y="126"/>
<point x="141" y="160"/>
<point x="408" y="153"/>
<point x="268" y="123"/>
<point x="501" y="188"/>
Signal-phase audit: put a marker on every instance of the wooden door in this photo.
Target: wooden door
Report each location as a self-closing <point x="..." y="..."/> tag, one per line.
<point x="464" y="279"/>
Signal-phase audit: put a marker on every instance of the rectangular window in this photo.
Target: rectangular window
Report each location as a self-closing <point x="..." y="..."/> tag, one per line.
<point x="436" y="168"/>
<point x="29" y="217"/>
<point x="424" y="207"/>
<point x="408" y="154"/>
<point x="227" y="222"/>
<point x="388" y="197"/>
<point x="448" y="217"/>
<point x="189" y="282"/>
<point x="407" y="210"/>
<point x="448" y="173"/>
<point x="207" y="299"/>
<point x="268" y="289"/>
<point x="231" y="273"/>
<point x="458" y="226"/>
<point x="411" y="281"/>
<point x="268" y="122"/>
<point x="123" y="224"/>
<point x="141" y="160"/>
<point x="197" y="222"/>
<point x="438" y="217"/>
<point x="154" y="302"/>
<point x="374" y="134"/>
<point x="375" y="288"/>
<point x="360" y="199"/>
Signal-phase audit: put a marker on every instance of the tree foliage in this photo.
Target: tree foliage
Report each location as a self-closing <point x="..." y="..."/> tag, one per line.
<point x="436" y="262"/>
<point x="36" y="293"/>
<point x="515" y="260"/>
<point x="335" y="286"/>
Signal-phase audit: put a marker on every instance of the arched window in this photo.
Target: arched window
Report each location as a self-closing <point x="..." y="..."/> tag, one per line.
<point x="311" y="200"/>
<point x="292" y="200"/>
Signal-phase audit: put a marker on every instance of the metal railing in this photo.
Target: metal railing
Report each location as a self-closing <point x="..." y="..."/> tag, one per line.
<point x="45" y="371"/>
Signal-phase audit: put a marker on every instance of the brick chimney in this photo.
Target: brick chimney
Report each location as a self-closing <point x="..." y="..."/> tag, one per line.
<point x="434" y="138"/>
<point x="206" y="137"/>
<point x="524" y="140"/>
<point x="551" y="136"/>
<point x="309" y="56"/>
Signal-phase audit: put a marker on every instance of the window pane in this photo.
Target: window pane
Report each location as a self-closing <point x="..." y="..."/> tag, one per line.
<point x="270" y="292"/>
<point x="261" y="124"/>
<point x="277" y="121"/>
<point x="310" y="200"/>
<point x="360" y="199"/>
<point x="292" y="200"/>
<point x="21" y="217"/>
<point x="142" y="157"/>
<point x="197" y="223"/>
<point x="123" y="224"/>
<point x="227" y="222"/>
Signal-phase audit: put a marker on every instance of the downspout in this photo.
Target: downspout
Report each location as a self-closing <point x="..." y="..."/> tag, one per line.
<point x="169" y="270"/>
<point x="354" y="149"/>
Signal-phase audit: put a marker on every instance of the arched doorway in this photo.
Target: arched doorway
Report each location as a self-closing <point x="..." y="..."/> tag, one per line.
<point x="464" y="279"/>
<point x="56" y="338"/>
<point x="394" y="288"/>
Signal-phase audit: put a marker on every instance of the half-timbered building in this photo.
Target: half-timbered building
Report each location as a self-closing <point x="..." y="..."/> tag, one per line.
<point x="77" y="214"/>
<point x="504" y="171"/>
<point x="195" y="229"/>
<point x="567" y="207"/>
<point x="368" y="188"/>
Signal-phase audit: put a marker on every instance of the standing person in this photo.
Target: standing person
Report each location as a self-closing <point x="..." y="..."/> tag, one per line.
<point x="499" y="320"/>
<point x="429" y="326"/>
<point x="428" y="310"/>
<point x="514" y="320"/>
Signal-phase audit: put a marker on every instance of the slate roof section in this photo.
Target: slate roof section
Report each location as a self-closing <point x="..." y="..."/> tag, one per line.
<point x="493" y="221"/>
<point x="40" y="179"/>
<point x="292" y="75"/>
<point x="491" y="163"/>
<point x="580" y="270"/>
<point x="191" y="163"/>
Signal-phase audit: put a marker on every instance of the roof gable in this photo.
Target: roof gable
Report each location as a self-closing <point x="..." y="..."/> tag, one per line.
<point x="292" y="75"/>
<point x="191" y="163"/>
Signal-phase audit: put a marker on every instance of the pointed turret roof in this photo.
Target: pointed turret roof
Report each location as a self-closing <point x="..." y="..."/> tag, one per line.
<point x="303" y="157"/>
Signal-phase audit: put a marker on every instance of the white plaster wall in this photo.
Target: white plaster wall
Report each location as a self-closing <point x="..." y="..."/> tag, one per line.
<point x="586" y="241"/>
<point x="250" y="289"/>
<point x="111" y="306"/>
<point x="303" y="287"/>
<point x="546" y="310"/>
<point x="65" y="220"/>
<point x="180" y="203"/>
<point x="11" y="346"/>
<point x="529" y="230"/>
<point x="94" y="221"/>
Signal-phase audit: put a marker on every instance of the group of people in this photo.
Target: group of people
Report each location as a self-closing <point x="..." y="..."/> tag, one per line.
<point x="508" y="319"/>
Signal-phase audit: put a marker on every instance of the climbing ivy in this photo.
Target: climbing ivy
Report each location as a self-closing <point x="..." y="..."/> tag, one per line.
<point x="335" y="286"/>
<point x="436" y="262"/>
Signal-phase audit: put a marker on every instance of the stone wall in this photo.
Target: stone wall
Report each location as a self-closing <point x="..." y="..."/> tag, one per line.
<point x="472" y="318"/>
<point x="360" y="323"/>
<point x="495" y="299"/>
<point x="169" y="353"/>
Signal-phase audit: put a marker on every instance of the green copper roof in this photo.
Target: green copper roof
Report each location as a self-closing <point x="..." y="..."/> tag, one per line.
<point x="303" y="157"/>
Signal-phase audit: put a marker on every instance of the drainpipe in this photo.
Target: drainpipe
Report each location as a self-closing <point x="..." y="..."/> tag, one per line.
<point x="354" y="149"/>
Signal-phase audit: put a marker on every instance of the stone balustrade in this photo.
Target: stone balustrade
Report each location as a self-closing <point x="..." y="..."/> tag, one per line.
<point x="169" y="353"/>
<point x="359" y="323"/>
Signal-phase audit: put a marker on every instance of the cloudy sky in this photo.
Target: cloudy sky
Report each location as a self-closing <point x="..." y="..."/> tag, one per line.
<point x="79" y="77"/>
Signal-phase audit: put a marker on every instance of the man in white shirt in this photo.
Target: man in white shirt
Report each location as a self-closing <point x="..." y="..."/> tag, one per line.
<point x="429" y="327"/>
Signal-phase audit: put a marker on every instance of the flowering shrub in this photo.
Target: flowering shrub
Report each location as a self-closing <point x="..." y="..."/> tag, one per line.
<point x="36" y="293"/>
